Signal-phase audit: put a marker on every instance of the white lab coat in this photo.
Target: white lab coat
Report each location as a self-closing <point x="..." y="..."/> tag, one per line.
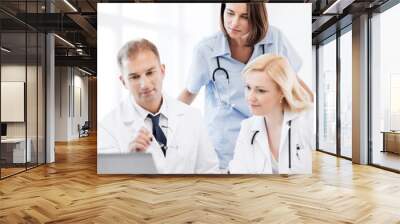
<point x="256" y="158"/>
<point x="189" y="147"/>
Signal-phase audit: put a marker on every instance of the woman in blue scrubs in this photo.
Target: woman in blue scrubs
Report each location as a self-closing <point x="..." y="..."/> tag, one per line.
<point x="217" y="64"/>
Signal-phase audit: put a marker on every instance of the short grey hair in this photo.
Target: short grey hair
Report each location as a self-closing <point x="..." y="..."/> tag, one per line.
<point x="133" y="47"/>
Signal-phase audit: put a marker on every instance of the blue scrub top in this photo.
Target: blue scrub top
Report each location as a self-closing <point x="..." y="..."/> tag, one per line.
<point x="227" y="107"/>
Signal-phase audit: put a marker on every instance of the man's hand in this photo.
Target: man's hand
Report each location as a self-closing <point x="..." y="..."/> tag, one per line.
<point x="142" y="141"/>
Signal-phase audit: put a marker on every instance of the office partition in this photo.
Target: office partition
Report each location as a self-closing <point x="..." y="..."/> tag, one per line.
<point x="22" y="77"/>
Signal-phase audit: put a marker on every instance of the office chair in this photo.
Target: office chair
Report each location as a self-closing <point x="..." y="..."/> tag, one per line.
<point x="84" y="130"/>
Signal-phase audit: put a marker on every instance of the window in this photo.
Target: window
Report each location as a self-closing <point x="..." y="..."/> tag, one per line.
<point x="385" y="85"/>
<point x="346" y="94"/>
<point x="327" y="97"/>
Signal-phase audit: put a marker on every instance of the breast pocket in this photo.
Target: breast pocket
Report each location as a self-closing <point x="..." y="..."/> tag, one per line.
<point x="175" y="159"/>
<point x="301" y="156"/>
<point x="175" y="152"/>
<point x="181" y="155"/>
<point x="237" y="83"/>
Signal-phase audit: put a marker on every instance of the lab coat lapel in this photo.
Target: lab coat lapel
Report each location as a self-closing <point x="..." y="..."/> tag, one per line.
<point x="134" y="121"/>
<point x="284" y="141"/>
<point x="131" y="118"/>
<point x="128" y="112"/>
<point x="261" y="142"/>
<point x="175" y="114"/>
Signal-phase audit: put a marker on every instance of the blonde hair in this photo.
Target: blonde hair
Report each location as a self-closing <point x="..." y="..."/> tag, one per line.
<point x="279" y="70"/>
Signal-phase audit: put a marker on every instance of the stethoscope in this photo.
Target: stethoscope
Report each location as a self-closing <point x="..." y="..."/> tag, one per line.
<point x="224" y="72"/>
<point x="289" y="145"/>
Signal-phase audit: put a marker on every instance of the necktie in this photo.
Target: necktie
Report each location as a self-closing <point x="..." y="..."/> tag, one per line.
<point x="158" y="133"/>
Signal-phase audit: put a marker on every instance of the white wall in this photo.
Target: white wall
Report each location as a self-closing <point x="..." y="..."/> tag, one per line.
<point x="79" y="117"/>
<point x="314" y="69"/>
<point x="61" y="103"/>
<point x="12" y="73"/>
<point x="33" y="126"/>
<point x="67" y="115"/>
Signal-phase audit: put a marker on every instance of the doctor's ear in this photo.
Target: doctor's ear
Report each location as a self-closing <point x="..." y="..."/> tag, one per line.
<point x="121" y="78"/>
<point x="282" y="98"/>
<point x="162" y="66"/>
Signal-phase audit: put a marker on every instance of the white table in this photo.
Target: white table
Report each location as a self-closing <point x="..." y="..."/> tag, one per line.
<point x="18" y="145"/>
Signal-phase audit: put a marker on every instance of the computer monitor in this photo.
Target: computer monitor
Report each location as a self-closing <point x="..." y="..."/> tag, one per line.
<point x="3" y="129"/>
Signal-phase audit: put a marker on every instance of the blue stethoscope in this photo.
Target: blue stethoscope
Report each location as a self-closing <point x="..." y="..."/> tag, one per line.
<point x="289" y="145"/>
<point x="224" y="72"/>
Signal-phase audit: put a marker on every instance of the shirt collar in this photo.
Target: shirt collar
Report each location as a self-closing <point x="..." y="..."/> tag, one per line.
<point x="222" y="44"/>
<point x="267" y="40"/>
<point x="143" y="113"/>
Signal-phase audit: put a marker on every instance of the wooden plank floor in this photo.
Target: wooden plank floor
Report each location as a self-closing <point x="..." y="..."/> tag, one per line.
<point x="70" y="191"/>
<point x="10" y="171"/>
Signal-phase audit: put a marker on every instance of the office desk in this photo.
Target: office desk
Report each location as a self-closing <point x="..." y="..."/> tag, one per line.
<point x="16" y="147"/>
<point x="391" y="141"/>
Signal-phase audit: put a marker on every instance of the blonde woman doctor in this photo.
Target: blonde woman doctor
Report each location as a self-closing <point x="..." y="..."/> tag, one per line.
<point x="278" y="138"/>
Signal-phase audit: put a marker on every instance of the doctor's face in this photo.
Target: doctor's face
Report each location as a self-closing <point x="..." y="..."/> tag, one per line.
<point x="143" y="76"/>
<point x="262" y="93"/>
<point x="236" y="20"/>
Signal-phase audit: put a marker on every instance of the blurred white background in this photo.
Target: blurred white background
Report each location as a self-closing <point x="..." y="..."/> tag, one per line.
<point x="176" y="29"/>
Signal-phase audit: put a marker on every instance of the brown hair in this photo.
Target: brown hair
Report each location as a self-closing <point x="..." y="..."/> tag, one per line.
<point x="133" y="47"/>
<point x="279" y="70"/>
<point x="258" y="21"/>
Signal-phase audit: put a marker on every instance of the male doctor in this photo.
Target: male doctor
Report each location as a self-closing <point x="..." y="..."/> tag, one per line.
<point x="151" y="122"/>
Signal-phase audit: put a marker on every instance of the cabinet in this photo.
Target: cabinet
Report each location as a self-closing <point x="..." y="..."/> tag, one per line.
<point x="13" y="150"/>
<point x="391" y="141"/>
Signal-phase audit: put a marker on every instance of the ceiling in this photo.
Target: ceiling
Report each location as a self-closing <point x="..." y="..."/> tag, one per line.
<point x="76" y="22"/>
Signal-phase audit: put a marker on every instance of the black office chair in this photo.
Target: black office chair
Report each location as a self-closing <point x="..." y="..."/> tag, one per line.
<point x="84" y="130"/>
